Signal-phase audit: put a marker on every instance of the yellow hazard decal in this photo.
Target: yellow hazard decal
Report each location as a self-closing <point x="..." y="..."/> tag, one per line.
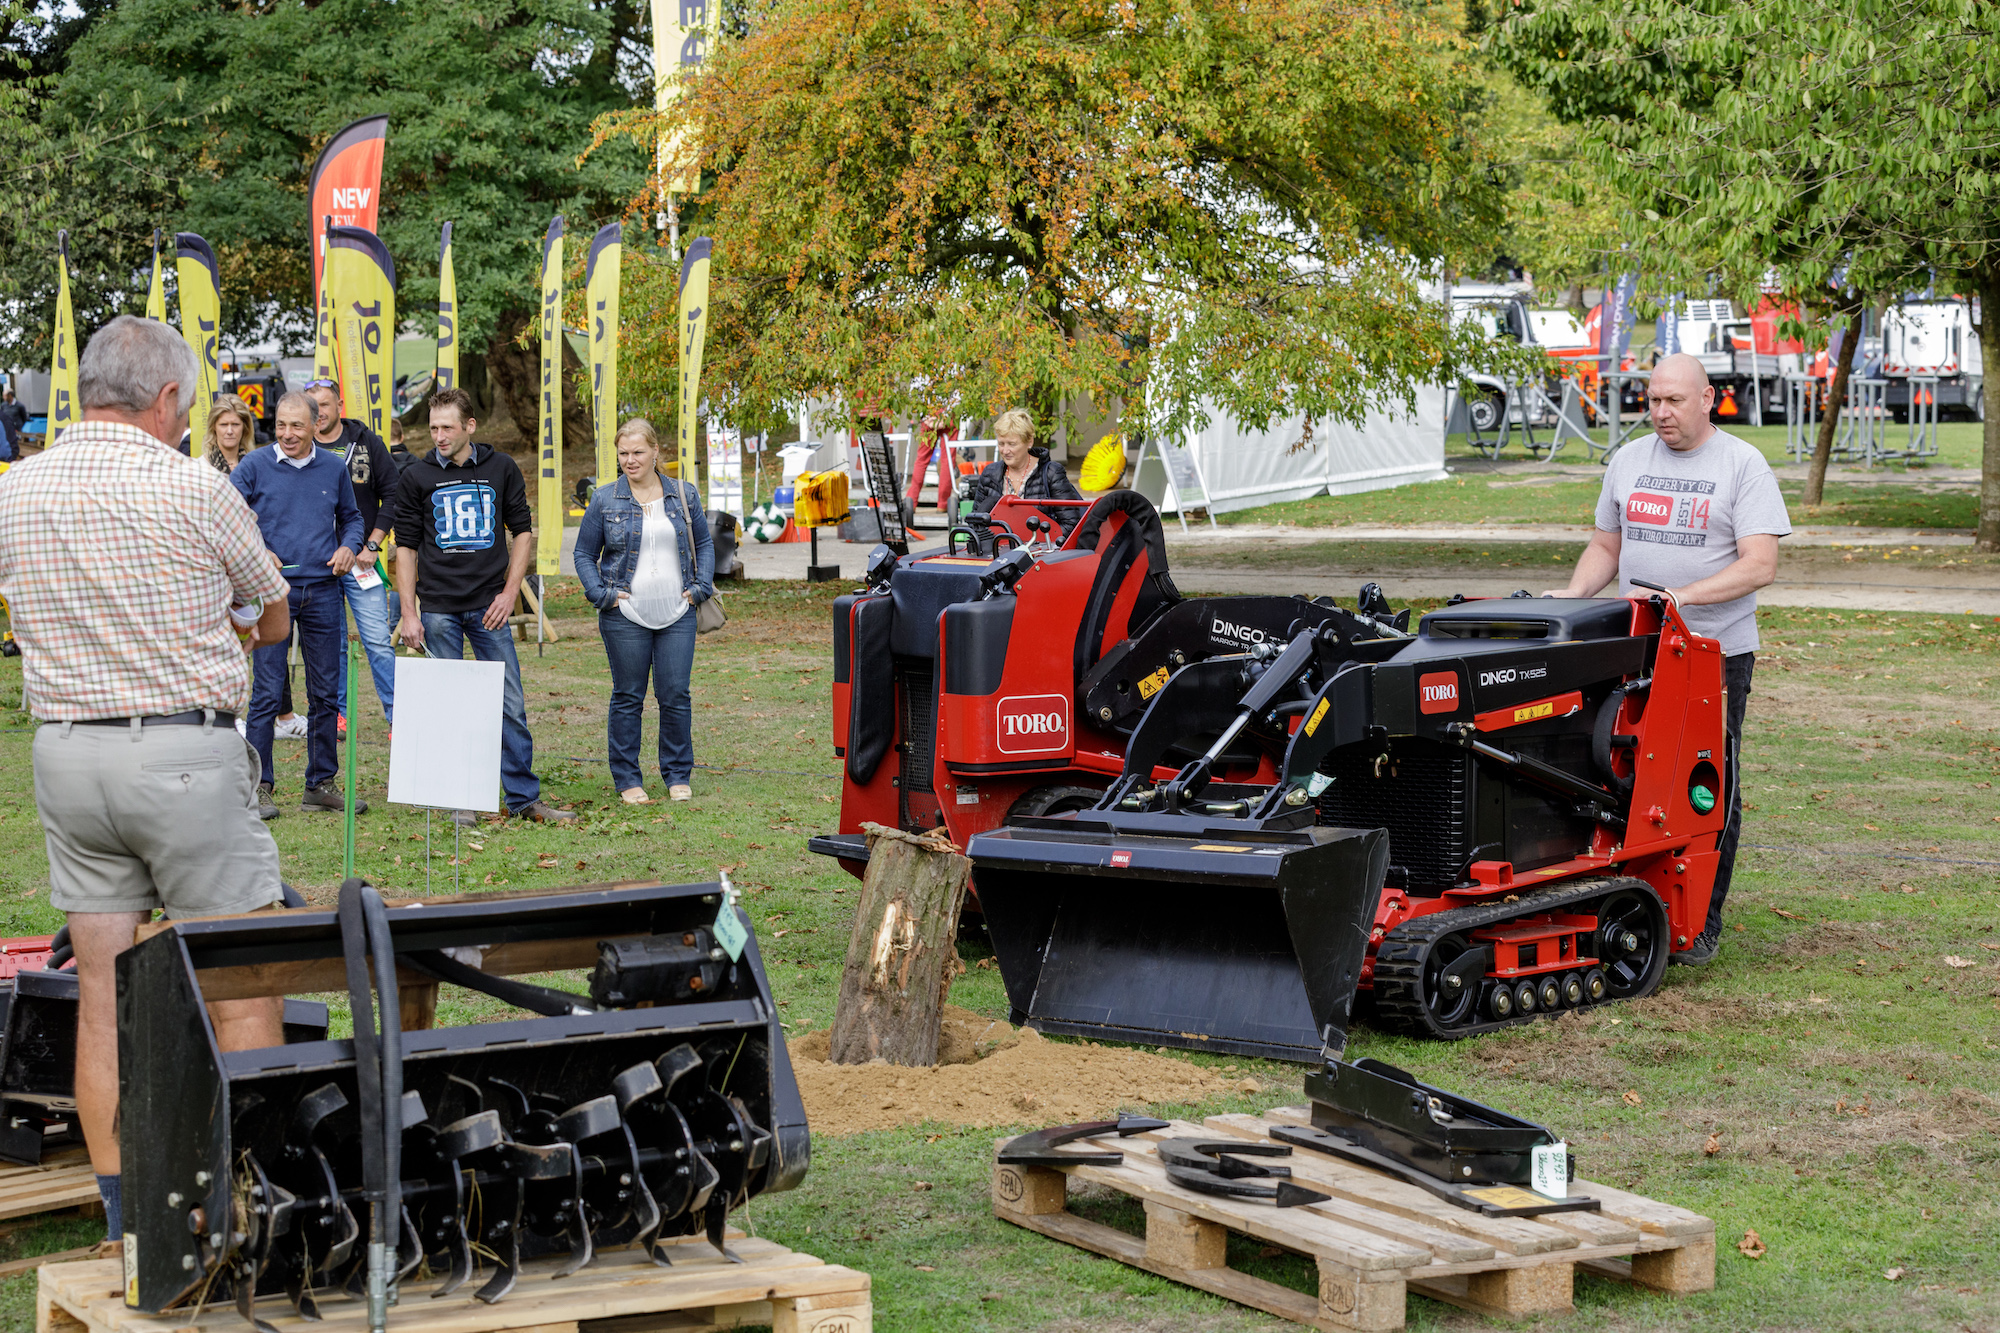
<point x="1312" y="723"/>
<point x="1507" y="1196"/>
<point x="1152" y="684"/>
<point x="1218" y="847"/>
<point x="1546" y="708"/>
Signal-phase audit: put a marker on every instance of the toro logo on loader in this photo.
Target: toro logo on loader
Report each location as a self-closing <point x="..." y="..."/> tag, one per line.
<point x="1437" y="692"/>
<point x="1646" y="507"/>
<point x="1032" y="723"/>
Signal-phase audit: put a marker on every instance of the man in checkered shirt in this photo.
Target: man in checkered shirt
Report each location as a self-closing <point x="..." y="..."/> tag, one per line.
<point x="120" y="559"/>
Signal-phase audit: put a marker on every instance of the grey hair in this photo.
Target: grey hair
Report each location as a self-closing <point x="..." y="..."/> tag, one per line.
<point x="298" y="398"/>
<point x="130" y="360"/>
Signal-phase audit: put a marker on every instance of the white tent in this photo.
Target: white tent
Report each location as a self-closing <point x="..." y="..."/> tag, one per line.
<point x="1244" y="468"/>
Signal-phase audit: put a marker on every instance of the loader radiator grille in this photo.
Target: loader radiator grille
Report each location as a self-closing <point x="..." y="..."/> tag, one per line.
<point x="1420" y="798"/>
<point x="916" y="695"/>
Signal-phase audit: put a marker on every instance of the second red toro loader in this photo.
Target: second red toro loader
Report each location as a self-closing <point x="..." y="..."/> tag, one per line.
<point x="1225" y="823"/>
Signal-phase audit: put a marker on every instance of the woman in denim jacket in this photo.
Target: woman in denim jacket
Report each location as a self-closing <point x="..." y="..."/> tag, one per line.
<point x="645" y="560"/>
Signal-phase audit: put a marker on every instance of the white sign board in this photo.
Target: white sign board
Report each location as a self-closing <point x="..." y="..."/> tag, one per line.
<point x="725" y="472"/>
<point x="445" y="752"/>
<point x="1188" y="489"/>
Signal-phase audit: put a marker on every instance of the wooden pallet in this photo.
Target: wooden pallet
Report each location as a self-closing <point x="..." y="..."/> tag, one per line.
<point x="1375" y="1240"/>
<point x="62" y="1181"/>
<point x="618" y="1293"/>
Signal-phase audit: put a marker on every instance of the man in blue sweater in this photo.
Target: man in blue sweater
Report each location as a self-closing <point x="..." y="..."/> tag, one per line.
<point x="304" y="503"/>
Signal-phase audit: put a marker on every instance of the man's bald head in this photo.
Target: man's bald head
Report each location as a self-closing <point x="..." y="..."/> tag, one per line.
<point x="1679" y="397"/>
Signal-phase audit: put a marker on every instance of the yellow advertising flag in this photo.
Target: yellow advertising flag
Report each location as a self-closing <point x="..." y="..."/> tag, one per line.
<point x="447" y="358"/>
<point x="683" y="32"/>
<point x="360" y="285"/>
<point x="201" y="315"/>
<point x="548" y="491"/>
<point x="62" y="365"/>
<point x="323" y="353"/>
<point x="156" y="294"/>
<point x="600" y="287"/>
<point x="694" y="331"/>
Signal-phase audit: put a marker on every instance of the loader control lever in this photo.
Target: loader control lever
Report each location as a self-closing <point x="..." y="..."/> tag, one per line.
<point x="1003" y="576"/>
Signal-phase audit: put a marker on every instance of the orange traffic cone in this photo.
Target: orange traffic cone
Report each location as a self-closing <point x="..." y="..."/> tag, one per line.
<point x="1728" y="406"/>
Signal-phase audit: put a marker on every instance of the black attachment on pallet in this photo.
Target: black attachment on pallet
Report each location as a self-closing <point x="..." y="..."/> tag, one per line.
<point x="1038" y="1147"/>
<point x="248" y="1172"/>
<point x="1378" y="1115"/>
<point x="1216" y="1166"/>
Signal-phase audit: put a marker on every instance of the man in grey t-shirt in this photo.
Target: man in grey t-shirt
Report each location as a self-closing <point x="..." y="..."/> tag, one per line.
<point x="1698" y="512"/>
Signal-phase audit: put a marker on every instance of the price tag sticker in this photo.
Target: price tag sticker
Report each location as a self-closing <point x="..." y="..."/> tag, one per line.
<point x="1550" y="1164"/>
<point x="729" y="929"/>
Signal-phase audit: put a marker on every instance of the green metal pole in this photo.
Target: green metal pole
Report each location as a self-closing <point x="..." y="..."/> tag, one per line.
<point x="353" y="729"/>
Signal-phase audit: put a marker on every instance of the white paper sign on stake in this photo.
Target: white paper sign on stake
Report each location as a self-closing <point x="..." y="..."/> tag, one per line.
<point x="729" y="931"/>
<point x="1551" y="1169"/>
<point x="445" y="752"/>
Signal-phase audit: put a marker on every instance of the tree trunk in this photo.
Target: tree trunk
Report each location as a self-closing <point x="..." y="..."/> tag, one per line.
<point x="1988" y="538"/>
<point x="1836" y="395"/>
<point x="516" y="375"/>
<point x="903" y="953"/>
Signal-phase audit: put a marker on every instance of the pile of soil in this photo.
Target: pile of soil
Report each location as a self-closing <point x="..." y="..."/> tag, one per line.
<point x="990" y="1074"/>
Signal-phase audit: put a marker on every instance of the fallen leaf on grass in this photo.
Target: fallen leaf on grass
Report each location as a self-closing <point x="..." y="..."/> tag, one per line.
<point x="580" y="864"/>
<point x="545" y="862"/>
<point x="1752" y="1246"/>
<point x="780" y="934"/>
<point x="1953" y="960"/>
<point x="984" y="963"/>
<point x="1990" y="946"/>
<point x="1893" y="1274"/>
<point x="1789" y="916"/>
<point x="1909" y="888"/>
<point x="1634" y="1099"/>
<point x="921" y="1185"/>
<point x="925" y="1268"/>
<point x="1871" y="828"/>
<point x="1713" y="1146"/>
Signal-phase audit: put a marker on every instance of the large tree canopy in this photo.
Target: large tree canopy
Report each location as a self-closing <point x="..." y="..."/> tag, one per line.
<point x="996" y="201"/>
<point x="1851" y="145"/>
<point x="489" y="103"/>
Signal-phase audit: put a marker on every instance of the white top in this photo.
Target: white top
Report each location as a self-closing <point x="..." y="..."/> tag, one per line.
<point x="656" y="600"/>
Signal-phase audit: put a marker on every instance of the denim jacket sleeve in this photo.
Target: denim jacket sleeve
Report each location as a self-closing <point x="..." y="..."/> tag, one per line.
<point x="704" y="546"/>
<point x="589" y="548"/>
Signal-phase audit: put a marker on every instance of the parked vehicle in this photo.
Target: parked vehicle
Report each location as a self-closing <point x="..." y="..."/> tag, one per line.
<point x="1934" y="339"/>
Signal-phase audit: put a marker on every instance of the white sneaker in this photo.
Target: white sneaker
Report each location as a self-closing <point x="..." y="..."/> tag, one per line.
<point x="292" y="729"/>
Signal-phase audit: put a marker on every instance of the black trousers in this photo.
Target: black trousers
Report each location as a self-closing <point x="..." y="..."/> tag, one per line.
<point x="1736" y="679"/>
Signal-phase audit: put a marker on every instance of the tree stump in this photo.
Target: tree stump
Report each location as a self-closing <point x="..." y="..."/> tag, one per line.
<point x="903" y="953"/>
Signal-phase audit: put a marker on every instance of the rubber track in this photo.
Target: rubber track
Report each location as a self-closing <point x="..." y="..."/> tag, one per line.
<point x="1399" y="959"/>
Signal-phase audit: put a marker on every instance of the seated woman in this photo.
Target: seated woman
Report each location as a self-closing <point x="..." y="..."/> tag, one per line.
<point x="1024" y="469"/>
<point x="645" y="561"/>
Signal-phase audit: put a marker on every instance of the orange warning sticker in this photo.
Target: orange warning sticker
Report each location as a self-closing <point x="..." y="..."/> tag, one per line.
<point x="1151" y="685"/>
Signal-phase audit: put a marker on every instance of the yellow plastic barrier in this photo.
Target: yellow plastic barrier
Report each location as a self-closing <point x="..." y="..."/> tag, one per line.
<point x="819" y="499"/>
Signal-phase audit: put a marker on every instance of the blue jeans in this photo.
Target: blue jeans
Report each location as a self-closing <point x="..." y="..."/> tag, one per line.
<point x="322" y="627"/>
<point x="668" y="655"/>
<point x="445" y="635"/>
<point x="371" y="622"/>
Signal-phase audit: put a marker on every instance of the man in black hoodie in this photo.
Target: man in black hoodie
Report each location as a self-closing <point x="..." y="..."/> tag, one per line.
<point x="450" y="507"/>
<point x="373" y="473"/>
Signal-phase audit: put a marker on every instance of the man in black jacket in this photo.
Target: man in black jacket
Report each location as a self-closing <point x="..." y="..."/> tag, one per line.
<point x="450" y="507"/>
<point x="373" y="473"/>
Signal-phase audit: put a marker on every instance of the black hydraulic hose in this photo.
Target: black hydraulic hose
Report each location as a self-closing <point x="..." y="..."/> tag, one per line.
<point x="378" y="1070"/>
<point x="543" y="1000"/>
<point x="1607" y="724"/>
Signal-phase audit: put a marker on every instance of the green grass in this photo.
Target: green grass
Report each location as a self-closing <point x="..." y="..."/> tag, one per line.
<point x="1856" y="720"/>
<point x="1904" y="498"/>
<point x="1554" y="498"/>
<point x="1398" y="556"/>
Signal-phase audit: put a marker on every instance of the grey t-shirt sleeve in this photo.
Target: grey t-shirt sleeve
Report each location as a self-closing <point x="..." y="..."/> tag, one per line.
<point x="1760" y="505"/>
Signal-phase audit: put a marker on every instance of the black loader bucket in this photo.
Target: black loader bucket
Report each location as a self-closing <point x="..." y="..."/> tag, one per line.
<point x="1171" y="931"/>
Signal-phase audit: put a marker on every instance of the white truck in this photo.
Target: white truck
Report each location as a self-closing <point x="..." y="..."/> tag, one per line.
<point x="1934" y="339"/>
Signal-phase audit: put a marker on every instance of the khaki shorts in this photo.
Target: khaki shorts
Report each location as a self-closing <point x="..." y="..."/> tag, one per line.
<point x="160" y="817"/>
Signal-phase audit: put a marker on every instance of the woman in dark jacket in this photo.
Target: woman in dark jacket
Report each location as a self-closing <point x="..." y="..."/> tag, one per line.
<point x="645" y="560"/>
<point x="1023" y="469"/>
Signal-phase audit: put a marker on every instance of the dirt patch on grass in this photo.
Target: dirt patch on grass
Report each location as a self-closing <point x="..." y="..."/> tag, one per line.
<point x="993" y="1075"/>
